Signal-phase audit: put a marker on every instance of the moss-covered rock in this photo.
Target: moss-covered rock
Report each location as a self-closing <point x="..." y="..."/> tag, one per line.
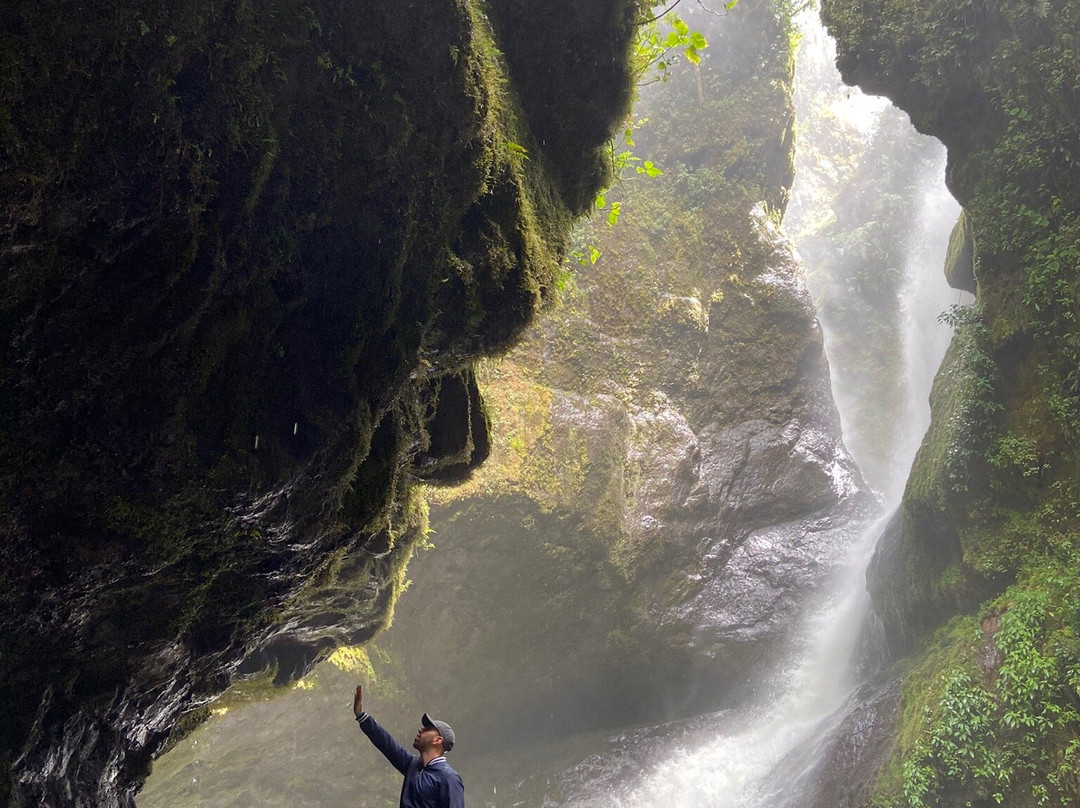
<point x="997" y="474"/>
<point x="250" y="252"/>
<point x="960" y="260"/>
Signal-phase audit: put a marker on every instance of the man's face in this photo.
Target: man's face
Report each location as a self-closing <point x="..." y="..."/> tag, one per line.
<point x="425" y="738"/>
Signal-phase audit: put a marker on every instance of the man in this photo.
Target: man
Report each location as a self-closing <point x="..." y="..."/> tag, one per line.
<point x="429" y="780"/>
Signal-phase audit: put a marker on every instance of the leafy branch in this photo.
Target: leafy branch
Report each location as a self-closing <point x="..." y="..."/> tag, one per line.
<point x="656" y="52"/>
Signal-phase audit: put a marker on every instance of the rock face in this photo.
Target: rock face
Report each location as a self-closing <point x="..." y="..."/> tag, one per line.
<point x="641" y="544"/>
<point x="851" y="763"/>
<point x="250" y="254"/>
<point x="990" y="509"/>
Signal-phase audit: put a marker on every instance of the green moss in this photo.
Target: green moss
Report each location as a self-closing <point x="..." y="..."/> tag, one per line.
<point x="963" y="403"/>
<point x="185" y="725"/>
<point x="1000" y="460"/>
<point x="960" y="257"/>
<point x="568" y="118"/>
<point x="991" y="710"/>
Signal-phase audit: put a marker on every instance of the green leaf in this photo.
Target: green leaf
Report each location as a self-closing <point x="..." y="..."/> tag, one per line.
<point x="601" y="201"/>
<point x="692" y="55"/>
<point x="730" y="4"/>
<point x="594" y="255"/>
<point x="680" y="26"/>
<point x="698" y="40"/>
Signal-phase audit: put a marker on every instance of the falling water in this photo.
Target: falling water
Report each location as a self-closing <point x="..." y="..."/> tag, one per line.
<point x="925" y="295"/>
<point x="727" y="760"/>
<point x="763" y="755"/>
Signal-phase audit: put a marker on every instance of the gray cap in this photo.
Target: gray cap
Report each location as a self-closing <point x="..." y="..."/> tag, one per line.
<point x="444" y="729"/>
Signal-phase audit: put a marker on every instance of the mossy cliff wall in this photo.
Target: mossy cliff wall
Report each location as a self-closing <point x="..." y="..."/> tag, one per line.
<point x="250" y="252"/>
<point x="988" y="536"/>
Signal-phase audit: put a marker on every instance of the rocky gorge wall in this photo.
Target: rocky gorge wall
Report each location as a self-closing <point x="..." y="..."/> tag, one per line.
<point x="978" y="577"/>
<point x="251" y="252"/>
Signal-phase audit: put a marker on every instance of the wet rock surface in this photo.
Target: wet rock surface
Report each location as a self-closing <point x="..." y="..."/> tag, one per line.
<point x="648" y="541"/>
<point x="898" y="570"/>
<point x="857" y="750"/>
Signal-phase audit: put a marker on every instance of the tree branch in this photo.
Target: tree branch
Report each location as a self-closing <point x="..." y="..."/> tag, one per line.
<point x="661" y="14"/>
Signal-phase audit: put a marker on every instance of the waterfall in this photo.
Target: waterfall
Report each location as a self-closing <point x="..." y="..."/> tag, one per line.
<point x="765" y="754"/>
<point x="925" y="294"/>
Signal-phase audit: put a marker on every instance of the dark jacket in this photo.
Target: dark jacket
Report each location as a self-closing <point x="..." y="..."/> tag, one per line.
<point x="433" y="786"/>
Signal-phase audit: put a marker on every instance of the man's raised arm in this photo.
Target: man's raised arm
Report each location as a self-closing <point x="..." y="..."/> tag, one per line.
<point x="398" y="755"/>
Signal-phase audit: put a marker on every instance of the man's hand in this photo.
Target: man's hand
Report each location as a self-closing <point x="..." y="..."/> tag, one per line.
<point x="358" y="701"/>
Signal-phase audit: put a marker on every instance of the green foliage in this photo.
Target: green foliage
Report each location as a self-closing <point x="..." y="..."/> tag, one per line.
<point x="649" y="169"/>
<point x="956" y="744"/>
<point x="658" y="51"/>
<point x="1019" y="453"/>
<point x="994" y="714"/>
<point x="655" y="54"/>
<point x="1052" y="293"/>
<point x="975" y="418"/>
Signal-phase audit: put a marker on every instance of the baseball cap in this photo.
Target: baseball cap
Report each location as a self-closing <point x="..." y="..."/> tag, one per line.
<point x="444" y="729"/>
